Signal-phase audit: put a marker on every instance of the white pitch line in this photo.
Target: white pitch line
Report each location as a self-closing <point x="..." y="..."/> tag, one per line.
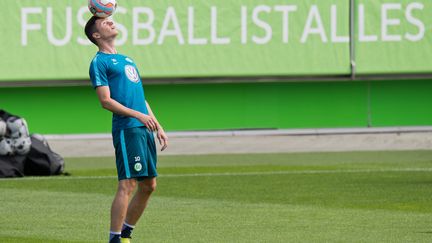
<point x="300" y="172"/>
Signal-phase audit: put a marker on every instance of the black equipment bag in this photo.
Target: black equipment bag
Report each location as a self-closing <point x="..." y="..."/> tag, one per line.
<point x="40" y="161"/>
<point x="5" y="115"/>
<point x="12" y="166"/>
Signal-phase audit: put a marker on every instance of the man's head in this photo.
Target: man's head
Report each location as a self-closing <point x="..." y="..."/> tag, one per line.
<point x="100" y="29"/>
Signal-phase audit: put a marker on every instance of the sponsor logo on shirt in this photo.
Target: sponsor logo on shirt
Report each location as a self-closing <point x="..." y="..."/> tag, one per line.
<point x="132" y="73"/>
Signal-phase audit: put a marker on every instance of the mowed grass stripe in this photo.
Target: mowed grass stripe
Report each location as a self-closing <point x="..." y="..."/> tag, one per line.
<point x="265" y="173"/>
<point x="76" y="217"/>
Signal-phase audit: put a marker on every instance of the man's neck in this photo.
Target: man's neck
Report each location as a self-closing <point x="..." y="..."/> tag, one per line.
<point x="107" y="48"/>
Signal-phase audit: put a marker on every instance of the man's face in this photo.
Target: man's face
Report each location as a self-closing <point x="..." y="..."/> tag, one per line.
<point x="106" y="28"/>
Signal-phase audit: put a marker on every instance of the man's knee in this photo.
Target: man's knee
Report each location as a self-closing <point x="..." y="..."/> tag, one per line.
<point x="126" y="186"/>
<point x="147" y="186"/>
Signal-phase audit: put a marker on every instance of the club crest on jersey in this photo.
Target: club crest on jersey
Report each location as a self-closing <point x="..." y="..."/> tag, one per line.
<point x="138" y="167"/>
<point x="132" y="73"/>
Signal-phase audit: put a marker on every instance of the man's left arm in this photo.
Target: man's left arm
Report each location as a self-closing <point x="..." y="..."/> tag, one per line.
<point x="161" y="136"/>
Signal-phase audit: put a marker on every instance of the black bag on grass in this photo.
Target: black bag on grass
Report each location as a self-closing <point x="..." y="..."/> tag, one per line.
<point x="41" y="160"/>
<point x="5" y="115"/>
<point x="12" y="166"/>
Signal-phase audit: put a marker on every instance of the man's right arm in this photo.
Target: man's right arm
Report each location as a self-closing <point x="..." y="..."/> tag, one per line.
<point x="104" y="95"/>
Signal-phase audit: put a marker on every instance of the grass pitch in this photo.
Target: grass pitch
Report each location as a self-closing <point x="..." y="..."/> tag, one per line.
<point x="299" y="197"/>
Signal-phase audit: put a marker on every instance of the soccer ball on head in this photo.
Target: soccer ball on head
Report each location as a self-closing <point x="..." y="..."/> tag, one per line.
<point x="102" y="8"/>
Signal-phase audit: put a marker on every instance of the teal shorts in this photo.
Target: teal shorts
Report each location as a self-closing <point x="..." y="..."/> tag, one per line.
<point x="135" y="151"/>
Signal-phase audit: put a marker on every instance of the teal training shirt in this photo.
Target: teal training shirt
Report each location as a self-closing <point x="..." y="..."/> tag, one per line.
<point x="121" y="75"/>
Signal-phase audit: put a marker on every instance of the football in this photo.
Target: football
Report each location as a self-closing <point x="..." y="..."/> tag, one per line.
<point x="102" y="8"/>
<point x="3" y="128"/>
<point x="6" y="147"/>
<point x="17" y="127"/>
<point x="21" y="145"/>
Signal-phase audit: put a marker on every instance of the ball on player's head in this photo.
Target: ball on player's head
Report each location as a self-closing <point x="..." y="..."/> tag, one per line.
<point x="102" y="8"/>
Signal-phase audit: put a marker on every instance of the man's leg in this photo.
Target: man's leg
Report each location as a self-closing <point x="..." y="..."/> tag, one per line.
<point x="140" y="200"/>
<point x="120" y="203"/>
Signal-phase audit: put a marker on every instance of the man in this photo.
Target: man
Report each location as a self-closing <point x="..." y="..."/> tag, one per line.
<point x="119" y="89"/>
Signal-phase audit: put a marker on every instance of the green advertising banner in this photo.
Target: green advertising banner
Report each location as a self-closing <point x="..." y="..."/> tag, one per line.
<point x="44" y="40"/>
<point x="393" y="36"/>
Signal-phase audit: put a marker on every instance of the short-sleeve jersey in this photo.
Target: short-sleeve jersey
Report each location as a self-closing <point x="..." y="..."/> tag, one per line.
<point x="121" y="75"/>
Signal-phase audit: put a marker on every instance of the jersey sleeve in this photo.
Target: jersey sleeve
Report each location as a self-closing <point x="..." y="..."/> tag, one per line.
<point x="98" y="73"/>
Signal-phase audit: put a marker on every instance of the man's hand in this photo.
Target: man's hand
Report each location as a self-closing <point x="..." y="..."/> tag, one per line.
<point x="163" y="138"/>
<point x="148" y="121"/>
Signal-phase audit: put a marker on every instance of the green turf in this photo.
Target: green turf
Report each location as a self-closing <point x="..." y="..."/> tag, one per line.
<point x="298" y="197"/>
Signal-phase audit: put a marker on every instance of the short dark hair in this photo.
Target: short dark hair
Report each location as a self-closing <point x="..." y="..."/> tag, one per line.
<point x="91" y="28"/>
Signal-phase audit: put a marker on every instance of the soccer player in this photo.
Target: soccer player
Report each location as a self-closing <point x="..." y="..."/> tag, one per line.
<point x="119" y="89"/>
